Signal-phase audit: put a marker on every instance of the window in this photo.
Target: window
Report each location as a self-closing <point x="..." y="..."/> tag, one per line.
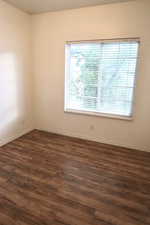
<point x="100" y="77"/>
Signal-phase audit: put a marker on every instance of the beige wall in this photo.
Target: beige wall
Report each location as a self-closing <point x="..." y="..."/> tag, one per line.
<point x="15" y="73"/>
<point x="50" y="31"/>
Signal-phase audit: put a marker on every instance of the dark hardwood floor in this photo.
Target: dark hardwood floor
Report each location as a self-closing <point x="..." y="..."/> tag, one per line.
<point x="48" y="179"/>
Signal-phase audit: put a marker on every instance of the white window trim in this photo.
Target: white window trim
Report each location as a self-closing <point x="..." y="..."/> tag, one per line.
<point x="67" y="76"/>
<point x="91" y="113"/>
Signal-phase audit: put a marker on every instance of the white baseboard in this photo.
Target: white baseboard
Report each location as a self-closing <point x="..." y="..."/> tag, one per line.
<point x="17" y="135"/>
<point x="86" y="137"/>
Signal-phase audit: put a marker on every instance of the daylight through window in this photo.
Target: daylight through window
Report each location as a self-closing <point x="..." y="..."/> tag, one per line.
<point x="100" y="76"/>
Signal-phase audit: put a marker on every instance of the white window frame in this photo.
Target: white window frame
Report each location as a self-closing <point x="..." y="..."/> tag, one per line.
<point x="67" y="76"/>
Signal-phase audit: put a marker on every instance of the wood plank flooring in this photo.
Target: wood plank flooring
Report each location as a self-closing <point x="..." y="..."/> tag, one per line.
<point x="48" y="179"/>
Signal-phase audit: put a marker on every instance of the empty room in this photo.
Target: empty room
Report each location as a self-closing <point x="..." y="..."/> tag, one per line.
<point x="74" y="112"/>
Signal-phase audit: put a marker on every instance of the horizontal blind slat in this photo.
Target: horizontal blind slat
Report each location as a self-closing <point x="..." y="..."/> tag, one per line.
<point x="114" y="63"/>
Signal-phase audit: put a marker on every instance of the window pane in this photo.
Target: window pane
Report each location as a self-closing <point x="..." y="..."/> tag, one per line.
<point x="101" y="76"/>
<point x="90" y="91"/>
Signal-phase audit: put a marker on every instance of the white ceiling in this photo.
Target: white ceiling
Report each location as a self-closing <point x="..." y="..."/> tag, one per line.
<point x="39" y="6"/>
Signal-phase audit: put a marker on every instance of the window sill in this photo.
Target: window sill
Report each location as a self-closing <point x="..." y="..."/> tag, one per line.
<point x="105" y="115"/>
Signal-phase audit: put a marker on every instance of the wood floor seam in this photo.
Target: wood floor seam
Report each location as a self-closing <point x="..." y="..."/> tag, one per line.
<point x="50" y="179"/>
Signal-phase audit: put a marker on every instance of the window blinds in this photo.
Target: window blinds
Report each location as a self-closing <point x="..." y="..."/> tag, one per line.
<point x="101" y="76"/>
